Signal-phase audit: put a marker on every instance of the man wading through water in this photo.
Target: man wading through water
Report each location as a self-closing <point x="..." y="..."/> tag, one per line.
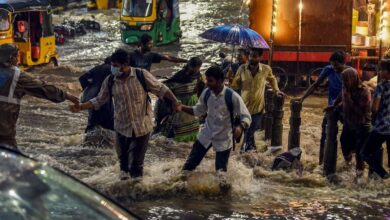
<point x="143" y="57"/>
<point x="14" y="85"/>
<point x="331" y="72"/>
<point x="133" y="113"/>
<point x="222" y="105"/>
<point x="250" y="80"/>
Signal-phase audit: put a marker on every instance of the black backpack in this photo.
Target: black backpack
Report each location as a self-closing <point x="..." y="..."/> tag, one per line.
<point x="285" y="161"/>
<point x="141" y="78"/>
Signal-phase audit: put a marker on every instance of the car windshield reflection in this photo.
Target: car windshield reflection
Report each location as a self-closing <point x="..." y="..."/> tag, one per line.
<point x="30" y="190"/>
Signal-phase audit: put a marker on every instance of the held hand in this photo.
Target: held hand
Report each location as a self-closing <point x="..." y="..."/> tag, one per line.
<point x="75" y="108"/>
<point x="237" y="132"/>
<point x="177" y="107"/>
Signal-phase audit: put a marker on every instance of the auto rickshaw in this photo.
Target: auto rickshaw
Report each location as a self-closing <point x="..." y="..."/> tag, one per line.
<point x="104" y="4"/>
<point x="157" y="18"/>
<point x="28" y="25"/>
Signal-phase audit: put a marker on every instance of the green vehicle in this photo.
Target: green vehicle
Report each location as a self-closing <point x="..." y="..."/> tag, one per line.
<point x="158" y="18"/>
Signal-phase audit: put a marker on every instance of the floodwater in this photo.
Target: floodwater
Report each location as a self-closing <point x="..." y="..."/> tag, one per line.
<point x="50" y="133"/>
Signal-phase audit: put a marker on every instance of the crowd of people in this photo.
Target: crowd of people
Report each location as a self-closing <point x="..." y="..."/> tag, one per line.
<point x="212" y="110"/>
<point x="361" y="108"/>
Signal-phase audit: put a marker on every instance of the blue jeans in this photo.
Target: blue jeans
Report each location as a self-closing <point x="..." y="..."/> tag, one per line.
<point x="250" y="133"/>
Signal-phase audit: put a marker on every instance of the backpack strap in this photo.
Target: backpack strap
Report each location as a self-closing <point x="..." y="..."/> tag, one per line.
<point x="141" y="78"/>
<point x="206" y="96"/>
<point x="229" y="103"/>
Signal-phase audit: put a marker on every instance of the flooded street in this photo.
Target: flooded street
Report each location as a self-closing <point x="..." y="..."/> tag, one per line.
<point x="52" y="134"/>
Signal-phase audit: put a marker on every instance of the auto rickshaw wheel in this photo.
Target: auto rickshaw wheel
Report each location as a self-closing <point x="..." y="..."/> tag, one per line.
<point x="281" y="77"/>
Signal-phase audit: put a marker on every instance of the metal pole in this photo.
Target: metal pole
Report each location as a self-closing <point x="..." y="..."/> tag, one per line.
<point x="277" y="126"/>
<point x="380" y="37"/>
<point x="273" y="30"/>
<point x="300" y="7"/>
<point x="294" y="134"/>
<point x="381" y="32"/>
<point x="330" y="151"/>
<point x="269" y="109"/>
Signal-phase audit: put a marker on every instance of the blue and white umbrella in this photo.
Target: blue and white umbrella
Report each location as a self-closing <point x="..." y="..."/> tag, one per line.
<point x="235" y="35"/>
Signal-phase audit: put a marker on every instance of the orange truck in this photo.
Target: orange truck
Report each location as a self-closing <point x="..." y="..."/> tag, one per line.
<point x="304" y="33"/>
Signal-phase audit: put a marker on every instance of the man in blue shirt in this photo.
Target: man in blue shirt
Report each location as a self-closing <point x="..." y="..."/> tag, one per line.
<point x="331" y="72"/>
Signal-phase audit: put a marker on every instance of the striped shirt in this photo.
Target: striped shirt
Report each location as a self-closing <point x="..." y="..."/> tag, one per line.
<point x="382" y="122"/>
<point x="133" y="113"/>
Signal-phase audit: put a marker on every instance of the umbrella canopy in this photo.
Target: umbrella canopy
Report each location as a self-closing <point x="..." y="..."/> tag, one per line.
<point x="235" y="35"/>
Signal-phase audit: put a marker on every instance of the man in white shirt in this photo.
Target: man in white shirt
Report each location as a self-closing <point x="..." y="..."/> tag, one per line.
<point x="219" y="129"/>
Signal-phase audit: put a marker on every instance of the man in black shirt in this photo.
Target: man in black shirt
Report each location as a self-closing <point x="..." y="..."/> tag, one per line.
<point x="144" y="58"/>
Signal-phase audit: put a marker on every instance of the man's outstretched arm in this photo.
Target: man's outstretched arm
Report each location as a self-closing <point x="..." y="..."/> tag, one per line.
<point x="173" y="59"/>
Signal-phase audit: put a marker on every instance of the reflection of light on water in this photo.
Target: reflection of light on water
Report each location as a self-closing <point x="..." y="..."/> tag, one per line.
<point x="189" y="10"/>
<point x="43" y="172"/>
<point x="13" y="193"/>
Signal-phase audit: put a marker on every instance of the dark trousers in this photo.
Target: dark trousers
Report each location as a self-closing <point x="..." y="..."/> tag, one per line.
<point x="199" y="151"/>
<point x="371" y="150"/>
<point x="352" y="140"/>
<point x="250" y="132"/>
<point x="131" y="153"/>
<point x="323" y="138"/>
